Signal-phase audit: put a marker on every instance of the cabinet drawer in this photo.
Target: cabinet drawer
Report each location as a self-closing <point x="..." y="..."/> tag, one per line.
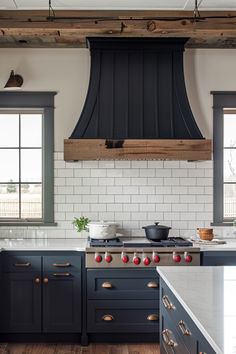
<point x="123" y="316"/>
<point x="170" y="340"/>
<point x="62" y="263"/>
<point x="21" y="262"/>
<point x="180" y="322"/>
<point x="122" y="284"/>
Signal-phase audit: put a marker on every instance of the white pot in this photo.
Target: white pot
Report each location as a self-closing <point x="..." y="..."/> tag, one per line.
<point x="102" y="230"/>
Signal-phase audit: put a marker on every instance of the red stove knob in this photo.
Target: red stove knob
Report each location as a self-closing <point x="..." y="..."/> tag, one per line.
<point x="136" y="260"/>
<point x="188" y="258"/>
<point x="176" y="258"/>
<point x="156" y="258"/>
<point x="124" y="258"/>
<point x="146" y="261"/>
<point x="108" y="258"/>
<point x="98" y="258"/>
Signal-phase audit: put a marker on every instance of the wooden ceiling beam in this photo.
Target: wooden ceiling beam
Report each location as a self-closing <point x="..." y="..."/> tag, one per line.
<point x="25" y="25"/>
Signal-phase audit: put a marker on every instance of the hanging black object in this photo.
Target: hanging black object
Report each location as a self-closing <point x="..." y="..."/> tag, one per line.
<point x="136" y="91"/>
<point x="14" y="82"/>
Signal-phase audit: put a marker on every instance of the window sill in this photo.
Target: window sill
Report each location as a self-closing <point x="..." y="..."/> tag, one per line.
<point x="33" y="223"/>
<point x="224" y="223"/>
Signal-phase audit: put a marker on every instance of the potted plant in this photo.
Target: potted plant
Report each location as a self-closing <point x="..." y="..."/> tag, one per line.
<point x="81" y="225"/>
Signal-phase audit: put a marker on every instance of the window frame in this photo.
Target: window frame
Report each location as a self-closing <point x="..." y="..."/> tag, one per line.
<point x="221" y="100"/>
<point x="43" y="101"/>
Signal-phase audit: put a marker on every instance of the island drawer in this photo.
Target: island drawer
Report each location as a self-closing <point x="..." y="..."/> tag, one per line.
<point x="122" y="284"/>
<point x="15" y="262"/>
<point x="62" y="263"/>
<point x="122" y="316"/>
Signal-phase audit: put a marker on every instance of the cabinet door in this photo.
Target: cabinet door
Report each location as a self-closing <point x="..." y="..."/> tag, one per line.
<point x="62" y="302"/>
<point x="21" y="303"/>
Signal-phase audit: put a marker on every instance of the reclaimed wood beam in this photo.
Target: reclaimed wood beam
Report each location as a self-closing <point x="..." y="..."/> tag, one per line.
<point x="96" y="149"/>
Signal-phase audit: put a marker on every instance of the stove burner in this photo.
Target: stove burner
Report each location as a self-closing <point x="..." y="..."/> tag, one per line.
<point x="170" y="242"/>
<point x="115" y="242"/>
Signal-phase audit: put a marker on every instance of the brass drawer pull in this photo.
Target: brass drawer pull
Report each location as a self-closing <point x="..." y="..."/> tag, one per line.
<point x="107" y="285"/>
<point x="152" y="285"/>
<point x="61" y="274"/>
<point x="45" y="280"/>
<point x="37" y="280"/>
<point x="108" y="318"/>
<point x="166" y="302"/>
<point x="152" y="317"/>
<point x="166" y="338"/>
<point x="28" y="264"/>
<point x="63" y="265"/>
<point x="185" y="331"/>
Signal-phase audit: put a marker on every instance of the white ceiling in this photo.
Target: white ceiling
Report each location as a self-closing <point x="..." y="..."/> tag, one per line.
<point x="117" y="4"/>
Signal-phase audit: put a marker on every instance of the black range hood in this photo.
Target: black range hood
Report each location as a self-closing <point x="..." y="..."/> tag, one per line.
<point x="136" y="92"/>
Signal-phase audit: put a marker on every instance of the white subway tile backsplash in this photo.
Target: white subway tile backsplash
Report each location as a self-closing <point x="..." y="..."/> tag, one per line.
<point x="132" y="193"/>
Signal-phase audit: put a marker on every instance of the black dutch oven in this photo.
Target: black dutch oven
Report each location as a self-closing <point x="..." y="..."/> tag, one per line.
<point x="156" y="232"/>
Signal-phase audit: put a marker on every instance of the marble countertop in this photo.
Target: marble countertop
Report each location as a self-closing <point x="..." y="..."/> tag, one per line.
<point x="208" y="295"/>
<point x="44" y="244"/>
<point x="230" y="245"/>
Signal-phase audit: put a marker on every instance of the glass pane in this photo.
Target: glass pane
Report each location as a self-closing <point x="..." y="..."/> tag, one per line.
<point x="9" y="130"/>
<point x="9" y="162"/>
<point x="229" y="130"/>
<point x="31" y="201"/>
<point x="9" y="200"/>
<point x="230" y="200"/>
<point x="31" y="130"/>
<point x="31" y="165"/>
<point x="230" y="165"/>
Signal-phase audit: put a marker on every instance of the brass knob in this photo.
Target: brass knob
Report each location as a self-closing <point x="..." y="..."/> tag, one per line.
<point x="108" y="318"/>
<point x="107" y="285"/>
<point x="152" y="285"/>
<point x="45" y="280"/>
<point x="152" y="317"/>
<point x="37" y="280"/>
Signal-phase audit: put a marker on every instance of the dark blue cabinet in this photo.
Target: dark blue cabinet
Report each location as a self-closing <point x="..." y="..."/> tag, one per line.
<point x="122" y="301"/>
<point x="41" y="292"/>
<point x="178" y="333"/>
<point x="22" y="302"/>
<point x="218" y="258"/>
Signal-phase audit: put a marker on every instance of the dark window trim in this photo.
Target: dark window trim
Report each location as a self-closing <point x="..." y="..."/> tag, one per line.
<point x="221" y="100"/>
<point x="45" y="101"/>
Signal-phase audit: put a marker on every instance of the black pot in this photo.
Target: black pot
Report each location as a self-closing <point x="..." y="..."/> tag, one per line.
<point x="156" y="232"/>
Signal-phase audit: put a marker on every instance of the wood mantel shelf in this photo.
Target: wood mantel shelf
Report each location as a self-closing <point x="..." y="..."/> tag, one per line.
<point x="158" y="149"/>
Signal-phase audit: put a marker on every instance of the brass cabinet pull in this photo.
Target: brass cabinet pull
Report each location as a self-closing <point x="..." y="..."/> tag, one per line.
<point x="185" y="331"/>
<point x="37" y="280"/>
<point x="152" y="285"/>
<point x="22" y="264"/>
<point x="61" y="274"/>
<point x="166" y="338"/>
<point x="63" y="265"/>
<point x="45" y="280"/>
<point x="152" y="317"/>
<point x="166" y="302"/>
<point x="107" y="285"/>
<point x="108" y="318"/>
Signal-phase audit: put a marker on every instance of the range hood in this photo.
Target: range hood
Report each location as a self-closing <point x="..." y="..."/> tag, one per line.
<point x="137" y="106"/>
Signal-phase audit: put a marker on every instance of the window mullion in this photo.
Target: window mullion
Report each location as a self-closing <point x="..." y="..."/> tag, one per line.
<point x="19" y="166"/>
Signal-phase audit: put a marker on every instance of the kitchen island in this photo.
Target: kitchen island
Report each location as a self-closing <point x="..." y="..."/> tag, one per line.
<point x="197" y="309"/>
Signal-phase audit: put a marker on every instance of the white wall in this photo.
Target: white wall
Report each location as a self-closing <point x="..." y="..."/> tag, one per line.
<point x="132" y="193"/>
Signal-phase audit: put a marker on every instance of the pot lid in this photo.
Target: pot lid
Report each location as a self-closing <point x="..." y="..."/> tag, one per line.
<point x="156" y="226"/>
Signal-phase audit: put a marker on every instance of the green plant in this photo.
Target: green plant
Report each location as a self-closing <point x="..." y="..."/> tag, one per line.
<point x="81" y="223"/>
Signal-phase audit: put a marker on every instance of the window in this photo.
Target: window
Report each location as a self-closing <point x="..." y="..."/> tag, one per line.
<point x="26" y="158"/>
<point x="224" y="157"/>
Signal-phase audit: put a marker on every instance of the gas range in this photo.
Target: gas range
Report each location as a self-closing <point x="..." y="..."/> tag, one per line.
<point x="141" y="253"/>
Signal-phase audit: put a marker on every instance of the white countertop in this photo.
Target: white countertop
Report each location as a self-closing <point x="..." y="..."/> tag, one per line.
<point x="230" y="245"/>
<point x="208" y="294"/>
<point x="44" y="244"/>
